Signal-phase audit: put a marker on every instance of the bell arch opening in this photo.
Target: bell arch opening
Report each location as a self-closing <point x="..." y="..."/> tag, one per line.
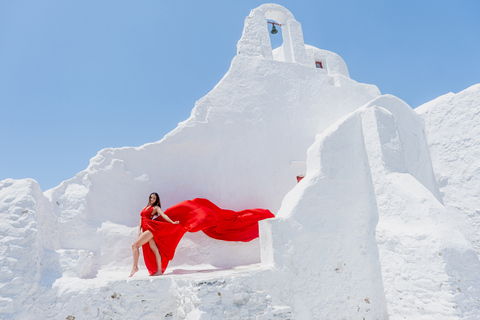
<point x="280" y="42"/>
<point x="275" y="33"/>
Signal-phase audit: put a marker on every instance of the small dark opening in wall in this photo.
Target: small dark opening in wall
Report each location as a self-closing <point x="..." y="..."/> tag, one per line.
<point x="319" y="64"/>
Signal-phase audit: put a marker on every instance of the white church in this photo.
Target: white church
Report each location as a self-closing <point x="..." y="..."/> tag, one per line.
<point x="377" y="204"/>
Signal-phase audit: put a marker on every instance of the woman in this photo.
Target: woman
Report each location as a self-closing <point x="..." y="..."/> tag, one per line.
<point x="152" y="209"/>
<point x="164" y="232"/>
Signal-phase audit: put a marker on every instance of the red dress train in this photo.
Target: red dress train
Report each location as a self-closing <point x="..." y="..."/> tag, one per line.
<point x="195" y="215"/>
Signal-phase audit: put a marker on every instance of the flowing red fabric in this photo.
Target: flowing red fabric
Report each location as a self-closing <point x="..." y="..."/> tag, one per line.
<point x="195" y="215"/>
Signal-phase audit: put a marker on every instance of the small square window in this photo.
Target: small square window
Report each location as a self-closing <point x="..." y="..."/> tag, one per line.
<point x="319" y="64"/>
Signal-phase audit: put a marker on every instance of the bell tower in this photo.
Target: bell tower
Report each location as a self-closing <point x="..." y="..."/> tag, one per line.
<point x="255" y="40"/>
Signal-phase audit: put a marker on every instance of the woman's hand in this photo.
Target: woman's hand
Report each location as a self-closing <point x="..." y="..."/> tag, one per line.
<point x="175" y="222"/>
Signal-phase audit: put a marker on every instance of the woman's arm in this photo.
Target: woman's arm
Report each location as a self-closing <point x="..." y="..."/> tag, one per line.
<point x="160" y="213"/>
<point x="140" y="227"/>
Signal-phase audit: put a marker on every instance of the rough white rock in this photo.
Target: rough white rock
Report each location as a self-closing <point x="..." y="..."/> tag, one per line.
<point x="452" y="123"/>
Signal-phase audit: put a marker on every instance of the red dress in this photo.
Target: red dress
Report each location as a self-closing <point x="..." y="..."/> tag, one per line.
<point x="195" y="215"/>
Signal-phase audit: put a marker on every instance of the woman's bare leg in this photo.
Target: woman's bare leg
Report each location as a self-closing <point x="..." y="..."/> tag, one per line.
<point x="153" y="246"/>
<point x="141" y="240"/>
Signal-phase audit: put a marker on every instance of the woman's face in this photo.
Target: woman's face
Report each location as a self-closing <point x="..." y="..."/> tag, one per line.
<point x="153" y="198"/>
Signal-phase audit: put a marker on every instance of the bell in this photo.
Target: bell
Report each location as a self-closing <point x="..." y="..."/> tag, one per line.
<point x="274" y="30"/>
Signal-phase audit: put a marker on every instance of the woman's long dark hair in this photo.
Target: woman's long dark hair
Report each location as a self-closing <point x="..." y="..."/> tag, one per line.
<point x="157" y="201"/>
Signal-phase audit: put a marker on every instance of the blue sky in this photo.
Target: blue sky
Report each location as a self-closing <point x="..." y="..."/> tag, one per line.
<point x="80" y="76"/>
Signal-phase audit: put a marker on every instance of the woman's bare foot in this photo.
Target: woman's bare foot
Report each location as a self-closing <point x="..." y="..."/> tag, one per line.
<point x="158" y="273"/>
<point x="134" y="270"/>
